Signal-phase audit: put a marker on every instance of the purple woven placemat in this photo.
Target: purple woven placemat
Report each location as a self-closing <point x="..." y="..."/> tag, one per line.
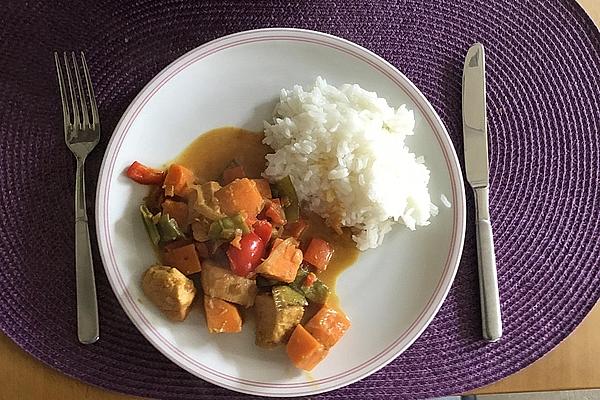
<point x="544" y="114"/>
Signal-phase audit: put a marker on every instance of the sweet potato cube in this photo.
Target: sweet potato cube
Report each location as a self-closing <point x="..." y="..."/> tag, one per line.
<point x="178" y="181"/>
<point x="177" y="210"/>
<point x="221" y="316"/>
<point x="263" y="187"/>
<point x="239" y="196"/>
<point x="304" y="350"/>
<point x="184" y="258"/>
<point x="328" y="326"/>
<point x="233" y="173"/>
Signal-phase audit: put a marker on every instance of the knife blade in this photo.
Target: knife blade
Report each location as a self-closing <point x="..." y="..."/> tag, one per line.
<point x="477" y="170"/>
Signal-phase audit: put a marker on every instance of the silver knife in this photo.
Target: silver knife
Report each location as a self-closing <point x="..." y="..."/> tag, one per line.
<point x="476" y="162"/>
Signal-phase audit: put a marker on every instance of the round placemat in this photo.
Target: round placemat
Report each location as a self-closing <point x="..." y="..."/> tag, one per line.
<point x="544" y="113"/>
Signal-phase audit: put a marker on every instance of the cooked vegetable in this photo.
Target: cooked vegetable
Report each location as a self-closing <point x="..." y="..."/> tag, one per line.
<point x="274" y="212"/>
<point x="202" y="250"/>
<point x="318" y="292"/>
<point x="149" y="224"/>
<point x="285" y="296"/>
<point x="202" y="201"/>
<point x="145" y="175"/>
<point x="200" y="229"/>
<point x="177" y="210"/>
<point x="314" y="289"/>
<point x="310" y="279"/>
<point x="283" y="262"/>
<point x="250" y="220"/>
<point x="236" y="240"/>
<point x="296" y="229"/>
<point x="243" y="239"/>
<point x="175" y="244"/>
<point x="264" y="230"/>
<point x="318" y="253"/>
<point x="273" y="326"/>
<point x="155" y="198"/>
<point x="304" y="350"/>
<point x="246" y="258"/>
<point x="264" y="188"/>
<point x="263" y="282"/>
<point x="169" y="290"/>
<point x="178" y="181"/>
<point x="184" y="258"/>
<point x="232" y="173"/>
<point x="221" y="316"/>
<point x="289" y="199"/>
<point x="221" y="283"/>
<point x="241" y="195"/>
<point x="168" y="229"/>
<point x="328" y="326"/>
<point x="299" y="279"/>
<point x="225" y="228"/>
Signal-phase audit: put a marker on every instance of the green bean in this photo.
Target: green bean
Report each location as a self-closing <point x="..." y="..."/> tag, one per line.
<point x="149" y="224"/>
<point x="289" y="199"/>
<point x="315" y="293"/>
<point x="225" y="228"/>
<point x="168" y="229"/>
<point x="285" y="296"/>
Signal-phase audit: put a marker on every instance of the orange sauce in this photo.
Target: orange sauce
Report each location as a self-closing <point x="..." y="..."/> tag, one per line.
<point x="210" y="154"/>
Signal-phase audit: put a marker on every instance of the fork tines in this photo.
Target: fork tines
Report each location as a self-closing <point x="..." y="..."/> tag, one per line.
<point x="79" y="114"/>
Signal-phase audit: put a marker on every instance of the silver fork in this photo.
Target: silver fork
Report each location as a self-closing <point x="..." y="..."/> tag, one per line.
<point x="82" y="132"/>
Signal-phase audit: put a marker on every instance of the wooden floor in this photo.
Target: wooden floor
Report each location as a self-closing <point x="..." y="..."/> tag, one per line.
<point x="572" y="365"/>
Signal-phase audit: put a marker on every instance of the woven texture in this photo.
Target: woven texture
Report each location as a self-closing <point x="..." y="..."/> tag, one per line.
<point x="544" y="114"/>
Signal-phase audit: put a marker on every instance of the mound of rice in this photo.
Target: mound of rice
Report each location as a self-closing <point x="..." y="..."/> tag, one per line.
<point x="345" y="153"/>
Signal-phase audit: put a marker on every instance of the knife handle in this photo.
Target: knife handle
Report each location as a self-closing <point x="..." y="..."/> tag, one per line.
<point x="488" y="279"/>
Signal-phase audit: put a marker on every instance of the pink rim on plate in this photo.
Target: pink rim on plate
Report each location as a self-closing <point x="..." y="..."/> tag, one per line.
<point x="353" y="372"/>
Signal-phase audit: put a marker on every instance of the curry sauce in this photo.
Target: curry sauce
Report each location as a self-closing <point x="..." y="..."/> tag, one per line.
<point x="212" y="152"/>
<point x="248" y="242"/>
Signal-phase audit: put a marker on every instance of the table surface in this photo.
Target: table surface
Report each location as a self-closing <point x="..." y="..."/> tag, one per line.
<point x="571" y="365"/>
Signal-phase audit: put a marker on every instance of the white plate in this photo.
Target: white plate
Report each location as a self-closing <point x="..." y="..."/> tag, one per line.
<point x="391" y="294"/>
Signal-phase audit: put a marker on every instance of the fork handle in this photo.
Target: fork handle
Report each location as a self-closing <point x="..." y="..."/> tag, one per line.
<point x="87" y="306"/>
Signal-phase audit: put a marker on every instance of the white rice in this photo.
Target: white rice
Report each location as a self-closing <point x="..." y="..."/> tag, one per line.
<point x="344" y="150"/>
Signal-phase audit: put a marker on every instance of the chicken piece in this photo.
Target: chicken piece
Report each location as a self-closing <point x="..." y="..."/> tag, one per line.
<point x="203" y="203"/>
<point x="283" y="261"/>
<point x="274" y="326"/>
<point x="224" y="284"/>
<point x="170" y="290"/>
